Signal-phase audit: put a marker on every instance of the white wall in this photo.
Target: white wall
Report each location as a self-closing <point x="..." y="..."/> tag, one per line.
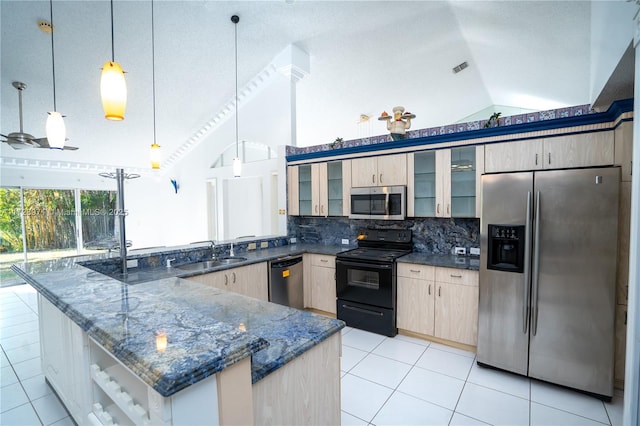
<point x="612" y="30"/>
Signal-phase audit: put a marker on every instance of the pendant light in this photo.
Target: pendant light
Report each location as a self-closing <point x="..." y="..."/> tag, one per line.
<point x="237" y="163"/>
<point x="56" y="130"/>
<point x="155" y="148"/>
<point x="113" y="88"/>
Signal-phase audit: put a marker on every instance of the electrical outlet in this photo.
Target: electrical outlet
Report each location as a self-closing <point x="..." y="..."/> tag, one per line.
<point x="293" y="240"/>
<point x="460" y="251"/>
<point x="251" y="246"/>
<point x="264" y="244"/>
<point x="345" y="241"/>
<point x="133" y="263"/>
<point x="474" y="251"/>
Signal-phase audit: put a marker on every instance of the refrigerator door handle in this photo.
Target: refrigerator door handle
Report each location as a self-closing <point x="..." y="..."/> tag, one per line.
<point x="527" y="267"/>
<point x="536" y="268"/>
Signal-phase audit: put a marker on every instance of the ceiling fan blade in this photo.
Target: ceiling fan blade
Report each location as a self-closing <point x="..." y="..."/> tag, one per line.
<point x="44" y="143"/>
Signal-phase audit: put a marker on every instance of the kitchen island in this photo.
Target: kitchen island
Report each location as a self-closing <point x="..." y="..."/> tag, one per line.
<point x="172" y="350"/>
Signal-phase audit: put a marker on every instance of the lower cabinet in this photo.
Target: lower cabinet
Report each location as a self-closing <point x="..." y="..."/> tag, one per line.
<point x="250" y="280"/>
<point x="439" y="302"/>
<point x="320" y="282"/>
<point x="64" y="357"/>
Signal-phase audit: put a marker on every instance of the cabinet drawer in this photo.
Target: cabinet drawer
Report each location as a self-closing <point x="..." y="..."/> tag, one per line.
<point x="412" y="270"/>
<point x="325" y="260"/>
<point x="457" y="276"/>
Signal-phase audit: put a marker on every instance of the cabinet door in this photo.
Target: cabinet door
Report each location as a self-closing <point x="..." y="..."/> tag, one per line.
<point x="415" y="306"/>
<point x="319" y="188"/>
<point x="513" y="156"/>
<point x="421" y="191"/>
<point x="584" y="150"/>
<point x="305" y="188"/>
<point x="293" y="205"/>
<point x="54" y="342"/>
<point x="250" y="280"/>
<point x="334" y="189"/>
<point x="463" y="176"/>
<point x="323" y="289"/>
<point x="392" y="170"/>
<point x="213" y="279"/>
<point x="443" y="183"/>
<point x="456" y="313"/>
<point x="364" y="172"/>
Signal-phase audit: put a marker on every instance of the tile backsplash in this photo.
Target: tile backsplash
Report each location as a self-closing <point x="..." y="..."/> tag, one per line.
<point x="430" y="235"/>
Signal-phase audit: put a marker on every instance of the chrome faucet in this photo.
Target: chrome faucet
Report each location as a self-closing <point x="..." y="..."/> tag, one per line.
<point x="231" y="252"/>
<point x="169" y="262"/>
<point x="212" y="245"/>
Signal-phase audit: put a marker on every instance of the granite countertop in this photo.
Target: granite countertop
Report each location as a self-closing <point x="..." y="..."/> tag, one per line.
<point x="443" y="260"/>
<point x="207" y="329"/>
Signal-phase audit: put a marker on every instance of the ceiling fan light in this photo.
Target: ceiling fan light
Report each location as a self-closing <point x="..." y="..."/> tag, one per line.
<point x="237" y="167"/>
<point x="155" y="156"/>
<point x="113" y="91"/>
<point x="56" y="130"/>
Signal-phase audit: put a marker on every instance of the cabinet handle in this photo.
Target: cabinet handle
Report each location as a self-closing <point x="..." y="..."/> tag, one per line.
<point x="234" y="277"/>
<point x="439" y="289"/>
<point x="322" y="209"/>
<point x="429" y="289"/>
<point x="415" y="270"/>
<point x="226" y="279"/>
<point x="549" y="158"/>
<point x="373" y="178"/>
<point x="316" y="208"/>
<point x="380" y="177"/>
<point x="448" y="206"/>
<point x="455" y="276"/>
<point x="438" y="208"/>
<point x="323" y="260"/>
<point x="536" y="159"/>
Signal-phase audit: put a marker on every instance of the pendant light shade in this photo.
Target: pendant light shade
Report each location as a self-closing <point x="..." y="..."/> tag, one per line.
<point x="156" y="156"/>
<point x="56" y="130"/>
<point x="237" y="167"/>
<point x="113" y="90"/>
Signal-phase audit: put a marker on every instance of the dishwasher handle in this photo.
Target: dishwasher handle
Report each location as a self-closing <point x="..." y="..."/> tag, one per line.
<point x="286" y="263"/>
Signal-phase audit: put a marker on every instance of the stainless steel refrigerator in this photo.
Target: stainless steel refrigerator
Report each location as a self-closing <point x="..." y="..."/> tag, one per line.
<point x="548" y="244"/>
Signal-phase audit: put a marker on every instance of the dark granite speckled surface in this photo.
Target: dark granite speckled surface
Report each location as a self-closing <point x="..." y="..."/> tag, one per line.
<point x="207" y="329"/>
<point x="443" y="260"/>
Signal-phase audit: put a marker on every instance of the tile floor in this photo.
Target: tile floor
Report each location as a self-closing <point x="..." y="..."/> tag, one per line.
<point x="399" y="381"/>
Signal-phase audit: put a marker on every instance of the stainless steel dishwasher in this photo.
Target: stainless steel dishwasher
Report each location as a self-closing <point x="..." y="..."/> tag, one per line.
<point x="285" y="282"/>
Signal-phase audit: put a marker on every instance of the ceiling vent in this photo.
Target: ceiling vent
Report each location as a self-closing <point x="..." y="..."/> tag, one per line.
<point x="460" y="67"/>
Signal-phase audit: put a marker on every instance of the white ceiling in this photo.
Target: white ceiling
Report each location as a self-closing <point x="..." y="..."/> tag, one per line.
<point x="366" y="57"/>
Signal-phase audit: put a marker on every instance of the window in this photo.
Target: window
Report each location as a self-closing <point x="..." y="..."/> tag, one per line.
<point x="42" y="223"/>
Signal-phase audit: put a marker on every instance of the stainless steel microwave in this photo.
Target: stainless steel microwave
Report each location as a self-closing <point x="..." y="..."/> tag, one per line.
<point x="378" y="202"/>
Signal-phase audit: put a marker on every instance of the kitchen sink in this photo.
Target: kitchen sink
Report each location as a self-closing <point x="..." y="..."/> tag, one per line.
<point x="199" y="266"/>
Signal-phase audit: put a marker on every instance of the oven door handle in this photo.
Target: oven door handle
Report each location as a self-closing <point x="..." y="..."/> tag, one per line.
<point x="362" y="265"/>
<point x="362" y="310"/>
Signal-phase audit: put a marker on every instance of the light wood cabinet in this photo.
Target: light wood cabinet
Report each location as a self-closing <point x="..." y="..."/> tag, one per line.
<point x="250" y="280"/>
<point x="457" y="305"/>
<point x="623" y="137"/>
<point x="440" y="302"/>
<point x="582" y="150"/>
<point x="445" y="183"/>
<point x="319" y="189"/>
<point x="384" y="170"/>
<point x="320" y="282"/>
<point x="415" y="298"/>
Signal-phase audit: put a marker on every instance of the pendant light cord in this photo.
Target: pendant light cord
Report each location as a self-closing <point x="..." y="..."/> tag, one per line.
<point x="53" y="57"/>
<point x="113" y="56"/>
<point x="235" y="19"/>
<point x="153" y="72"/>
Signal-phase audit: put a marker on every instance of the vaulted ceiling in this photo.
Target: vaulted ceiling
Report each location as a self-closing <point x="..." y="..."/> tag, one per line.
<point x="365" y="57"/>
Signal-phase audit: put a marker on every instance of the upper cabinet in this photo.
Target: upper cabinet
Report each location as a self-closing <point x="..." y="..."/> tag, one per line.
<point x="582" y="150"/>
<point x="384" y="170"/>
<point x="445" y="183"/>
<point x="319" y="189"/>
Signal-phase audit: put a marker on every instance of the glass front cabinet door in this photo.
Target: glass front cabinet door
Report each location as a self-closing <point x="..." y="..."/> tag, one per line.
<point x="445" y="182"/>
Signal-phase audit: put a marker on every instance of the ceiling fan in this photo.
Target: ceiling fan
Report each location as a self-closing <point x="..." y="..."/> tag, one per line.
<point x="22" y="140"/>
